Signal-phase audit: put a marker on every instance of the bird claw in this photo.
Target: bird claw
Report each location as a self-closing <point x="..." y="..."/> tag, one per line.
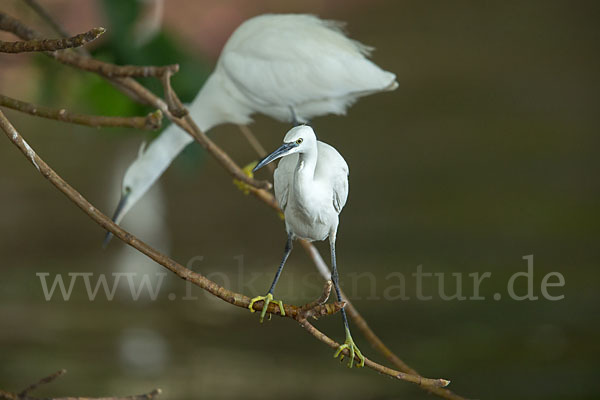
<point x="352" y="349"/>
<point x="267" y="299"/>
<point x="243" y="186"/>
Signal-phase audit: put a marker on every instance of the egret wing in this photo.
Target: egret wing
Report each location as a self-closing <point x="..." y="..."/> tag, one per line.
<point x="340" y="193"/>
<point x="333" y="168"/>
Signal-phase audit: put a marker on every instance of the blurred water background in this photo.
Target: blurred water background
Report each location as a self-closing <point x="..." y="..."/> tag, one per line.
<point x="486" y="153"/>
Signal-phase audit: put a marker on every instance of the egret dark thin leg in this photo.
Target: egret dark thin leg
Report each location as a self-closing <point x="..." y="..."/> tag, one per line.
<point x="295" y="120"/>
<point x="336" y="284"/>
<point x="286" y="254"/>
<point x="269" y="297"/>
<point x="349" y="345"/>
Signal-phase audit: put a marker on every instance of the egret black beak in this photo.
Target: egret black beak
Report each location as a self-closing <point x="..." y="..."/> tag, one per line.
<point x="117" y="214"/>
<point x="280" y="152"/>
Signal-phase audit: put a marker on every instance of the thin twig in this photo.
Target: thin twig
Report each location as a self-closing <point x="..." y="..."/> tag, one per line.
<point x="419" y="380"/>
<point x="111" y="70"/>
<point x="251" y="138"/>
<point x="35" y="6"/>
<point x="308" y="309"/>
<point x="152" y="121"/>
<point x="322" y="299"/>
<point x="51" y="44"/>
<point x="362" y="325"/>
<point x="220" y="155"/>
<point x="42" y="381"/>
<point x="258" y="148"/>
<point x="108" y="70"/>
<point x="44" y="15"/>
<point x="24" y="394"/>
<point x="314" y="309"/>
<point x="13" y="25"/>
<point x="10" y="24"/>
<point x="4" y="395"/>
<point x="175" y="106"/>
<point x="229" y="296"/>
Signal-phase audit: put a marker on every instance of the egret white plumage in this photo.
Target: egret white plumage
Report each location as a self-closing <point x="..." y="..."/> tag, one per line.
<point x="311" y="187"/>
<point x="291" y="67"/>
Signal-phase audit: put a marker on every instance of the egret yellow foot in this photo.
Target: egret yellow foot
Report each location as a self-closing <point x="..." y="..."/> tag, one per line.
<point x="248" y="171"/>
<point x="267" y="299"/>
<point x="353" y="349"/>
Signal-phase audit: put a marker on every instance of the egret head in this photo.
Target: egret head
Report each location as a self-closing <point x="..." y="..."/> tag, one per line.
<point x="299" y="139"/>
<point x="139" y="177"/>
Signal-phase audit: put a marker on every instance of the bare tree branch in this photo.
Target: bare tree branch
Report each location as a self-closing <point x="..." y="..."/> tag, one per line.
<point x="24" y="394"/>
<point x="111" y="70"/>
<point x="51" y="44"/>
<point x="322" y="299"/>
<point x="294" y="312"/>
<point x="133" y="89"/>
<point x="44" y="15"/>
<point x="35" y="6"/>
<point x="175" y="106"/>
<point x="251" y="138"/>
<point x="151" y="121"/>
<point x="256" y="145"/>
<point x="43" y="381"/>
<point x="13" y="25"/>
<point x="10" y="24"/>
<point x="164" y="73"/>
<point x="416" y="379"/>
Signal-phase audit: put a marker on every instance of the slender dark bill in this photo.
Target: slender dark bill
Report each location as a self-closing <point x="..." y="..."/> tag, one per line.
<point x="280" y="152"/>
<point x="116" y="215"/>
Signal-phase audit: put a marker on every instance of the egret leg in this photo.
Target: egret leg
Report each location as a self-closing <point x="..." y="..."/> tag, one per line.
<point x="269" y="297"/>
<point x="349" y="343"/>
<point x="295" y="120"/>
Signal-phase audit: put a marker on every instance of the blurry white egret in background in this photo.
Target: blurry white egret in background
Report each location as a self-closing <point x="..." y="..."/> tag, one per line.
<point x="291" y="67"/>
<point x="311" y="187"/>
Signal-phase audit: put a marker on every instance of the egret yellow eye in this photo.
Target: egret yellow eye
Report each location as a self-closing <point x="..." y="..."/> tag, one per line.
<point x="299" y="141"/>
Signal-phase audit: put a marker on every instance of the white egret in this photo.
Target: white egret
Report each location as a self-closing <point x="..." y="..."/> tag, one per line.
<point x="291" y="67"/>
<point x="311" y="187"/>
